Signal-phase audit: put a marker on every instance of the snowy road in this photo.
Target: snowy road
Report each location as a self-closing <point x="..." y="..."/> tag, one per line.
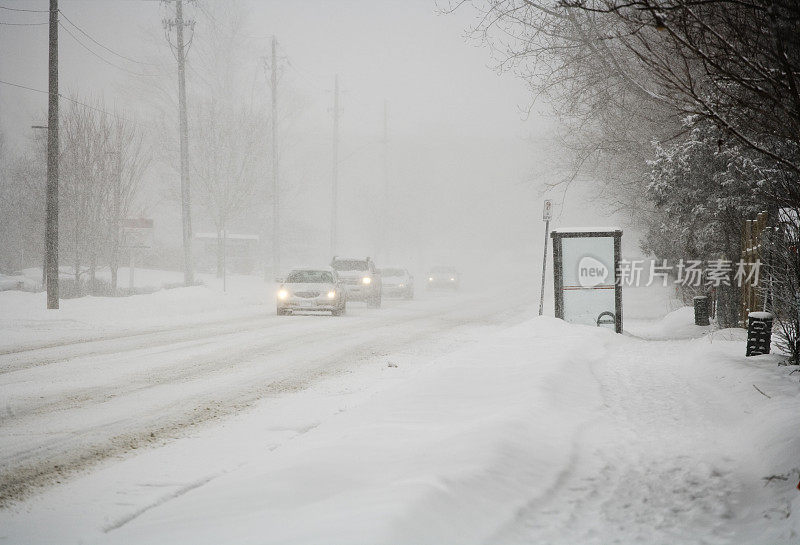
<point x="67" y="406"/>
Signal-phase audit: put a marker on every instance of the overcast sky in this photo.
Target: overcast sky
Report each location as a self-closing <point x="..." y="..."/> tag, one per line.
<point x="401" y="51"/>
<point x="473" y="144"/>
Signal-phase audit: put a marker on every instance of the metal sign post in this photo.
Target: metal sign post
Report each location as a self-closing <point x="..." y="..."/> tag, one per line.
<point x="137" y="234"/>
<point x="547" y="215"/>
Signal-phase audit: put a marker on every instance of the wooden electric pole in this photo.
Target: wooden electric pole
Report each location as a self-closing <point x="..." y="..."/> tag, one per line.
<point x="335" y="172"/>
<point x="188" y="264"/>
<point x="51" y="212"/>
<point x="276" y="238"/>
<point x="385" y="205"/>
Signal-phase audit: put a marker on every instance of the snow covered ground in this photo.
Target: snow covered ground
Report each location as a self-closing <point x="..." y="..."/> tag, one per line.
<point x="192" y="416"/>
<point x="25" y="322"/>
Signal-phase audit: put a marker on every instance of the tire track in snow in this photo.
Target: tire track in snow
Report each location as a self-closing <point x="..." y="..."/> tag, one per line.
<point x="186" y="367"/>
<point x="19" y="360"/>
<point x="237" y="383"/>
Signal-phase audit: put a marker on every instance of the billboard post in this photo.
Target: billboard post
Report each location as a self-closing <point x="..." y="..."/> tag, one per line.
<point x="547" y="215"/>
<point x="586" y="276"/>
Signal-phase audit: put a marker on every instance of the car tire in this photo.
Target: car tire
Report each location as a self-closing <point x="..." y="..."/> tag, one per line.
<point x="282" y="312"/>
<point x="374" y="302"/>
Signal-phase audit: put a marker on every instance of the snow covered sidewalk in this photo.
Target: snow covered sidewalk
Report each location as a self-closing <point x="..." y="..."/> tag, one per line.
<point x="540" y="433"/>
<point x="25" y="322"/>
<point x="683" y="449"/>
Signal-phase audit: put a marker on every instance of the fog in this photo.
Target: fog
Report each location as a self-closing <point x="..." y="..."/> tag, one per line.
<point x="277" y="277"/>
<point x="459" y="180"/>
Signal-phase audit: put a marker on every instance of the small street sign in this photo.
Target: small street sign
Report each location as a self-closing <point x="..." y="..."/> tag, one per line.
<point x="137" y="234"/>
<point x="547" y="213"/>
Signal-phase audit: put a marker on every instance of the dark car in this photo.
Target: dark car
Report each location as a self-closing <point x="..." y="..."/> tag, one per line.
<point x="443" y="278"/>
<point x="397" y="283"/>
<point x="361" y="278"/>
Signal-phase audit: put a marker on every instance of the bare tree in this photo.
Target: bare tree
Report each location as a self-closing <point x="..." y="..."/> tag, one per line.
<point x="22" y="205"/>
<point x="82" y="173"/>
<point x="735" y="63"/>
<point x="610" y="115"/>
<point x="131" y="156"/>
<point x="227" y="159"/>
<point x="230" y="139"/>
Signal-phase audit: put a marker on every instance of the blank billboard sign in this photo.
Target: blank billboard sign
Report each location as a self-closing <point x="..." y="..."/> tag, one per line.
<point x="586" y="265"/>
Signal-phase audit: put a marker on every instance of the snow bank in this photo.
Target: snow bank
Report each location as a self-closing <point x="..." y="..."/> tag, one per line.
<point x="678" y="324"/>
<point x="25" y="320"/>
<point x="18" y="282"/>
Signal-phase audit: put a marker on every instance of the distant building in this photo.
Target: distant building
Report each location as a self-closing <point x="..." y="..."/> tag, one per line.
<point x="241" y="252"/>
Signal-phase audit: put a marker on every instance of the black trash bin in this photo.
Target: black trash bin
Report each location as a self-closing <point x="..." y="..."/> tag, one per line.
<point x="759" y="333"/>
<point x="701" y="310"/>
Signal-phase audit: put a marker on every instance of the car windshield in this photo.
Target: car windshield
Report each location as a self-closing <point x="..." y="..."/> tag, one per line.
<point x="310" y="277"/>
<point x="443" y="270"/>
<point x="350" y="265"/>
<point x="393" y="272"/>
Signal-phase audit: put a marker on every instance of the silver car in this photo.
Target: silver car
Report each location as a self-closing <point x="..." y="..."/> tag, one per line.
<point x="361" y="278"/>
<point x="312" y="290"/>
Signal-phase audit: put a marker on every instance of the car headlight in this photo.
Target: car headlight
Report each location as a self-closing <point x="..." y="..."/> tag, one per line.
<point x="366" y="280"/>
<point x="332" y="294"/>
<point x="283" y="294"/>
<point x="452" y="280"/>
<point x="401" y="286"/>
<point x="430" y="279"/>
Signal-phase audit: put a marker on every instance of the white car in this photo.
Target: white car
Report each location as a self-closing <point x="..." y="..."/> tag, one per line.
<point x="398" y="283"/>
<point x="312" y="290"/>
<point x="444" y="278"/>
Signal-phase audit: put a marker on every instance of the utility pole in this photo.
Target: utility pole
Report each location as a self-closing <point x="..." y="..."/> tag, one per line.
<point x="385" y="204"/>
<point x="335" y="173"/>
<point x="276" y="239"/>
<point x="51" y="212"/>
<point x="188" y="265"/>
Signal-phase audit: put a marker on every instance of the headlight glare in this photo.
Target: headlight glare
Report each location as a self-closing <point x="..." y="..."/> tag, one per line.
<point x="366" y="280"/>
<point x="331" y="294"/>
<point x="283" y="294"/>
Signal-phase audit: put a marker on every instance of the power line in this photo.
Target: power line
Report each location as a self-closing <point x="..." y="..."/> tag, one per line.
<point x="139" y="123"/>
<point x="23" y="87"/>
<point x="308" y="77"/>
<point x="208" y="14"/>
<point x="22" y="24"/>
<point x="27" y="10"/>
<point x="120" y="55"/>
<point x="69" y="99"/>
<point x="101" y="57"/>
